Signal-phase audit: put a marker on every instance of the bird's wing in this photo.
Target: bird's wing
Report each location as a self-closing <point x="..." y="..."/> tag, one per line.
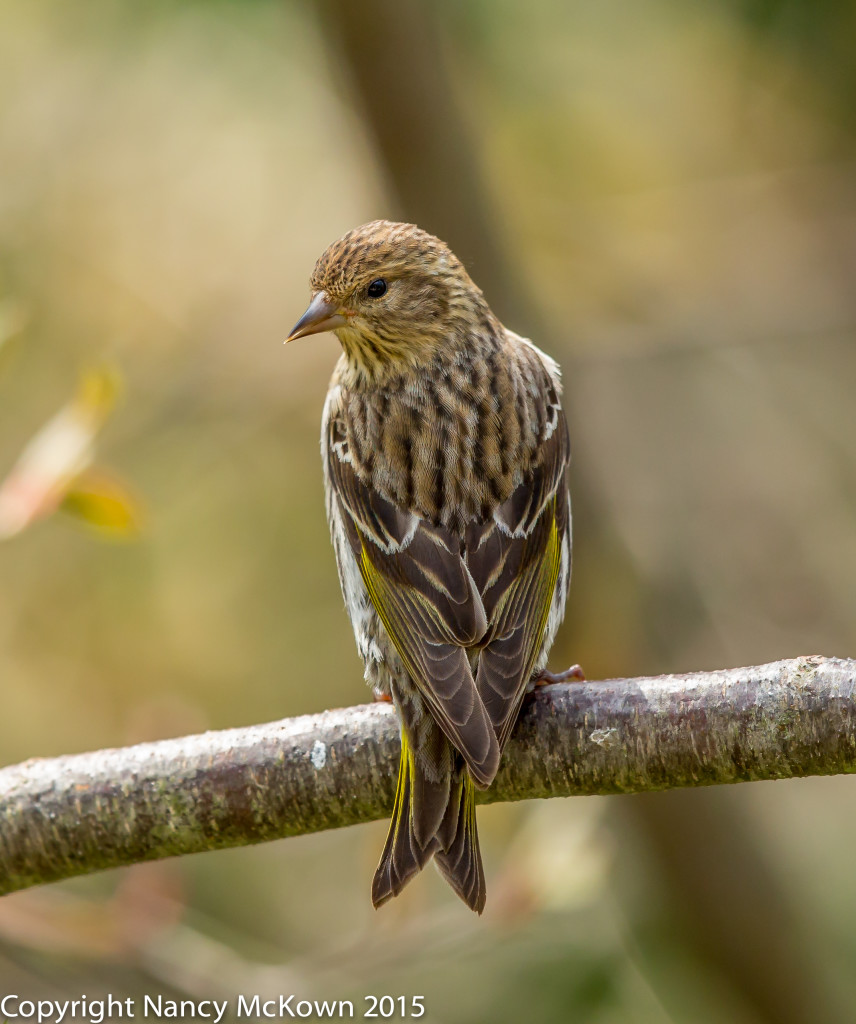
<point x="426" y="598"/>
<point x="515" y="562"/>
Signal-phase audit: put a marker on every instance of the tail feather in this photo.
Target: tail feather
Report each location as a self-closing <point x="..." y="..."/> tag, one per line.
<point x="459" y="859"/>
<point x="431" y="819"/>
<point x="403" y="855"/>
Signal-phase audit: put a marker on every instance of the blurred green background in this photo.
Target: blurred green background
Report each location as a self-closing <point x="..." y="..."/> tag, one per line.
<point x="663" y="196"/>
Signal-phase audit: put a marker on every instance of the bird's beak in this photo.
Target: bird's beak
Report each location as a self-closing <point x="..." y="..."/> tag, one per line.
<point x="322" y="315"/>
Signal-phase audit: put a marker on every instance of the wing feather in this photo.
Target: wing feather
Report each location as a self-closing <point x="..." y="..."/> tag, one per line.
<point x="516" y="566"/>
<point x="426" y="597"/>
<point x="440" y="595"/>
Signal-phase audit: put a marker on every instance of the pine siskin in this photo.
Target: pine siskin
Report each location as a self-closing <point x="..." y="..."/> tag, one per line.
<point x="445" y="449"/>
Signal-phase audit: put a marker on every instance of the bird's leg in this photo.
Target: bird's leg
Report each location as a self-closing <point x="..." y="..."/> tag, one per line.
<point x="573" y="674"/>
<point x="381" y="697"/>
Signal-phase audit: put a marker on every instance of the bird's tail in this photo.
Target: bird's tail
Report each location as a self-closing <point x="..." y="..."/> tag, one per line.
<point x="459" y="860"/>
<point x="432" y="819"/>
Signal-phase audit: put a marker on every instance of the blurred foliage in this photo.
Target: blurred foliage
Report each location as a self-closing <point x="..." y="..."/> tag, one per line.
<point x="55" y="469"/>
<point x="818" y="34"/>
<point x="676" y="184"/>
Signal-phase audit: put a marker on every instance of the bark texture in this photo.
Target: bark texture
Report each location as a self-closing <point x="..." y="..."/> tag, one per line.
<point x="72" y="815"/>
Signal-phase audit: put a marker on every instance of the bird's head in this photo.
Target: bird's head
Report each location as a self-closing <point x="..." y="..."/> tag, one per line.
<point x="393" y="294"/>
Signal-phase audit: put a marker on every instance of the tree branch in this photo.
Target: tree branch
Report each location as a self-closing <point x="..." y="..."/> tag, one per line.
<point x="67" y="816"/>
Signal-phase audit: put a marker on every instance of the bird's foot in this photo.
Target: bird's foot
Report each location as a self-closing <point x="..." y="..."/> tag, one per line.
<point x="574" y="674"/>
<point x="381" y="697"/>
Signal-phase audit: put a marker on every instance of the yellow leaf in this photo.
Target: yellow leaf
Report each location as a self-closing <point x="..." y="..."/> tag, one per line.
<point x="58" y="454"/>
<point x="98" y="393"/>
<point x="105" y="504"/>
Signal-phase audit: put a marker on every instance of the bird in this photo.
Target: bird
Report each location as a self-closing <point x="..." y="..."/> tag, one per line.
<point x="445" y="452"/>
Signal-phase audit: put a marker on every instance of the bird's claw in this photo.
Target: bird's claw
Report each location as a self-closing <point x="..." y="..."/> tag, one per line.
<point x="574" y="674"/>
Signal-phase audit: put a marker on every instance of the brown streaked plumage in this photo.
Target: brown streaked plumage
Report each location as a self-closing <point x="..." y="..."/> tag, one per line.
<point x="445" y="450"/>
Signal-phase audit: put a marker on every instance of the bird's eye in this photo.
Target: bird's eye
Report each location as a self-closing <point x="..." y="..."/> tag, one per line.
<point x="376" y="288"/>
